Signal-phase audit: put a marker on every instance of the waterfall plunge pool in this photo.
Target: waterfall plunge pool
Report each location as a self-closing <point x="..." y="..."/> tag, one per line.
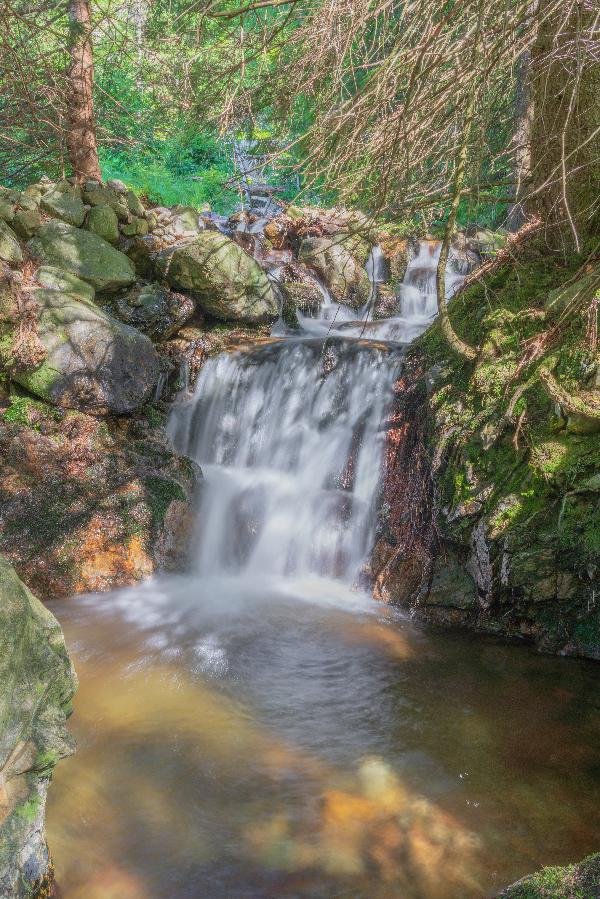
<point x="298" y="740"/>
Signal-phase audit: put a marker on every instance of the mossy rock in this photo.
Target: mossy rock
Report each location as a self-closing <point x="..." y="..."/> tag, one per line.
<point x="338" y="260"/>
<point x="92" y="362"/>
<point x="103" y="222"/>
<point x="10" y="248"/>
<point x="228" y="283"/>
<point x="26" y="222"/>
<point x="137" y="227"/>
<point x="64" y="202"/>
<point x="57" y="279"/>
<point x="84" y="254"/>
<point x="98" y="195"/>
<point x="579" y="881"/>
<point x="37" y="682"/>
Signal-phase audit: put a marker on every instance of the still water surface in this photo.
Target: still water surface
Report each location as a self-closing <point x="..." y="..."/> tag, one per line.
<point x="269" y="745"/>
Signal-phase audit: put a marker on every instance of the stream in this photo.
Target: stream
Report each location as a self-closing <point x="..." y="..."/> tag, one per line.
<point x="260" y="727"/>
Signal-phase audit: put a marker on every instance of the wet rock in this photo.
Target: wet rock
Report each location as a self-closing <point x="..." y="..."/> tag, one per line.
<point x="92" y="361"/>
<point x="154" y="310"/>
<point x="228" y="283"/>
<point x="37" y="682"/>
<point x="338" y="260"/>
<point x="84" y="254"/>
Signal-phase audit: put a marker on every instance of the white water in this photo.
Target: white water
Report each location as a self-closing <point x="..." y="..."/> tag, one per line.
<point x="289" y="439"/>
<point x="417" y="300"/>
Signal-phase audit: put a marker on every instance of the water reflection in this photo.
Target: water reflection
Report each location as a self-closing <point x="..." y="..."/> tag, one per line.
<point x="258" y="747"/>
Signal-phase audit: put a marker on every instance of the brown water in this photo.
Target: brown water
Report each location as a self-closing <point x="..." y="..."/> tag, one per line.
<point x="282" y="743"/>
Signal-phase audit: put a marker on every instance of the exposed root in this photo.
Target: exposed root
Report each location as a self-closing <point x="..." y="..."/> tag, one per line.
<point x="570" y="404"/>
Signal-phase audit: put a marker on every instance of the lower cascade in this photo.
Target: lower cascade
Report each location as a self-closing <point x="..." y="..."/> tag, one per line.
<point x="289" y="440"/>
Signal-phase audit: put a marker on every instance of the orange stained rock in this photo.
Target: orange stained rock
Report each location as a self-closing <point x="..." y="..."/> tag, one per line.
<point x="106" y="560"/>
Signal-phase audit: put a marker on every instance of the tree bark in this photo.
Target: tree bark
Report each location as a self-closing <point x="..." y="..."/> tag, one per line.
<point x="81" y="135"/>
<point x="517" y="217"/>
<point x="565" y="139"/>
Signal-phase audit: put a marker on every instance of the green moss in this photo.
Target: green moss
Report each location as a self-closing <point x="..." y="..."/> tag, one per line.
<point x="160" y="493"/>
<point x="23" y="409"/>
<point x="571" y="882"/>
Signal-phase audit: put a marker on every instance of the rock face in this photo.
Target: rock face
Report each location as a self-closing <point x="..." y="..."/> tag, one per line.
<point x="37" y="683"/>
<point x="84" y="254"/>
<point x="228" y="283"/>
<point x="92" y="361"/>
<point x="490" y="514"/>
<point x="339" y="260"/>
<point x="88" y="504"/>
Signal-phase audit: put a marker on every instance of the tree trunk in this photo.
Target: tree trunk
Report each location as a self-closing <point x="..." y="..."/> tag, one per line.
<point x="81" y="136"/>
<point x="565" y="68"/>
<point x="516" y="217"/>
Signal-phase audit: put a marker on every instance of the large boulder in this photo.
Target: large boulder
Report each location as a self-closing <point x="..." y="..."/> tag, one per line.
<point x="10" y="248"/>
<point x="56" y="279"/>
<point x="83" y="253"/>
<point x="229" y="284"/>
<point x="154" y="310"/>
<point x="37" y="683"/>
<point x="92" y="361"/>
<point x="339" y="261"/>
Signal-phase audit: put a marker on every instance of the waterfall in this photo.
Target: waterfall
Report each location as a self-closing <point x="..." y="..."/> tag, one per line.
<point x="289" y="438"/>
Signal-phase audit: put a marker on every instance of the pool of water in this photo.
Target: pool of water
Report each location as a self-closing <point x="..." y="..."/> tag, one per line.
<point x="292" y="738"/>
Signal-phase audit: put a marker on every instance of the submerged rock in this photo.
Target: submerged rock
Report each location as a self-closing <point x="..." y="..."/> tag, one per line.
<point x="228" y="283"/>
<point x="37" y="683"/>
<point x="92" y="361"/>
<point x="83" y="253"/>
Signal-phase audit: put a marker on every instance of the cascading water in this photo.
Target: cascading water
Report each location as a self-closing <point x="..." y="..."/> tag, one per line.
<point x="235" y="742"/>
<point x="289" y="439"/>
